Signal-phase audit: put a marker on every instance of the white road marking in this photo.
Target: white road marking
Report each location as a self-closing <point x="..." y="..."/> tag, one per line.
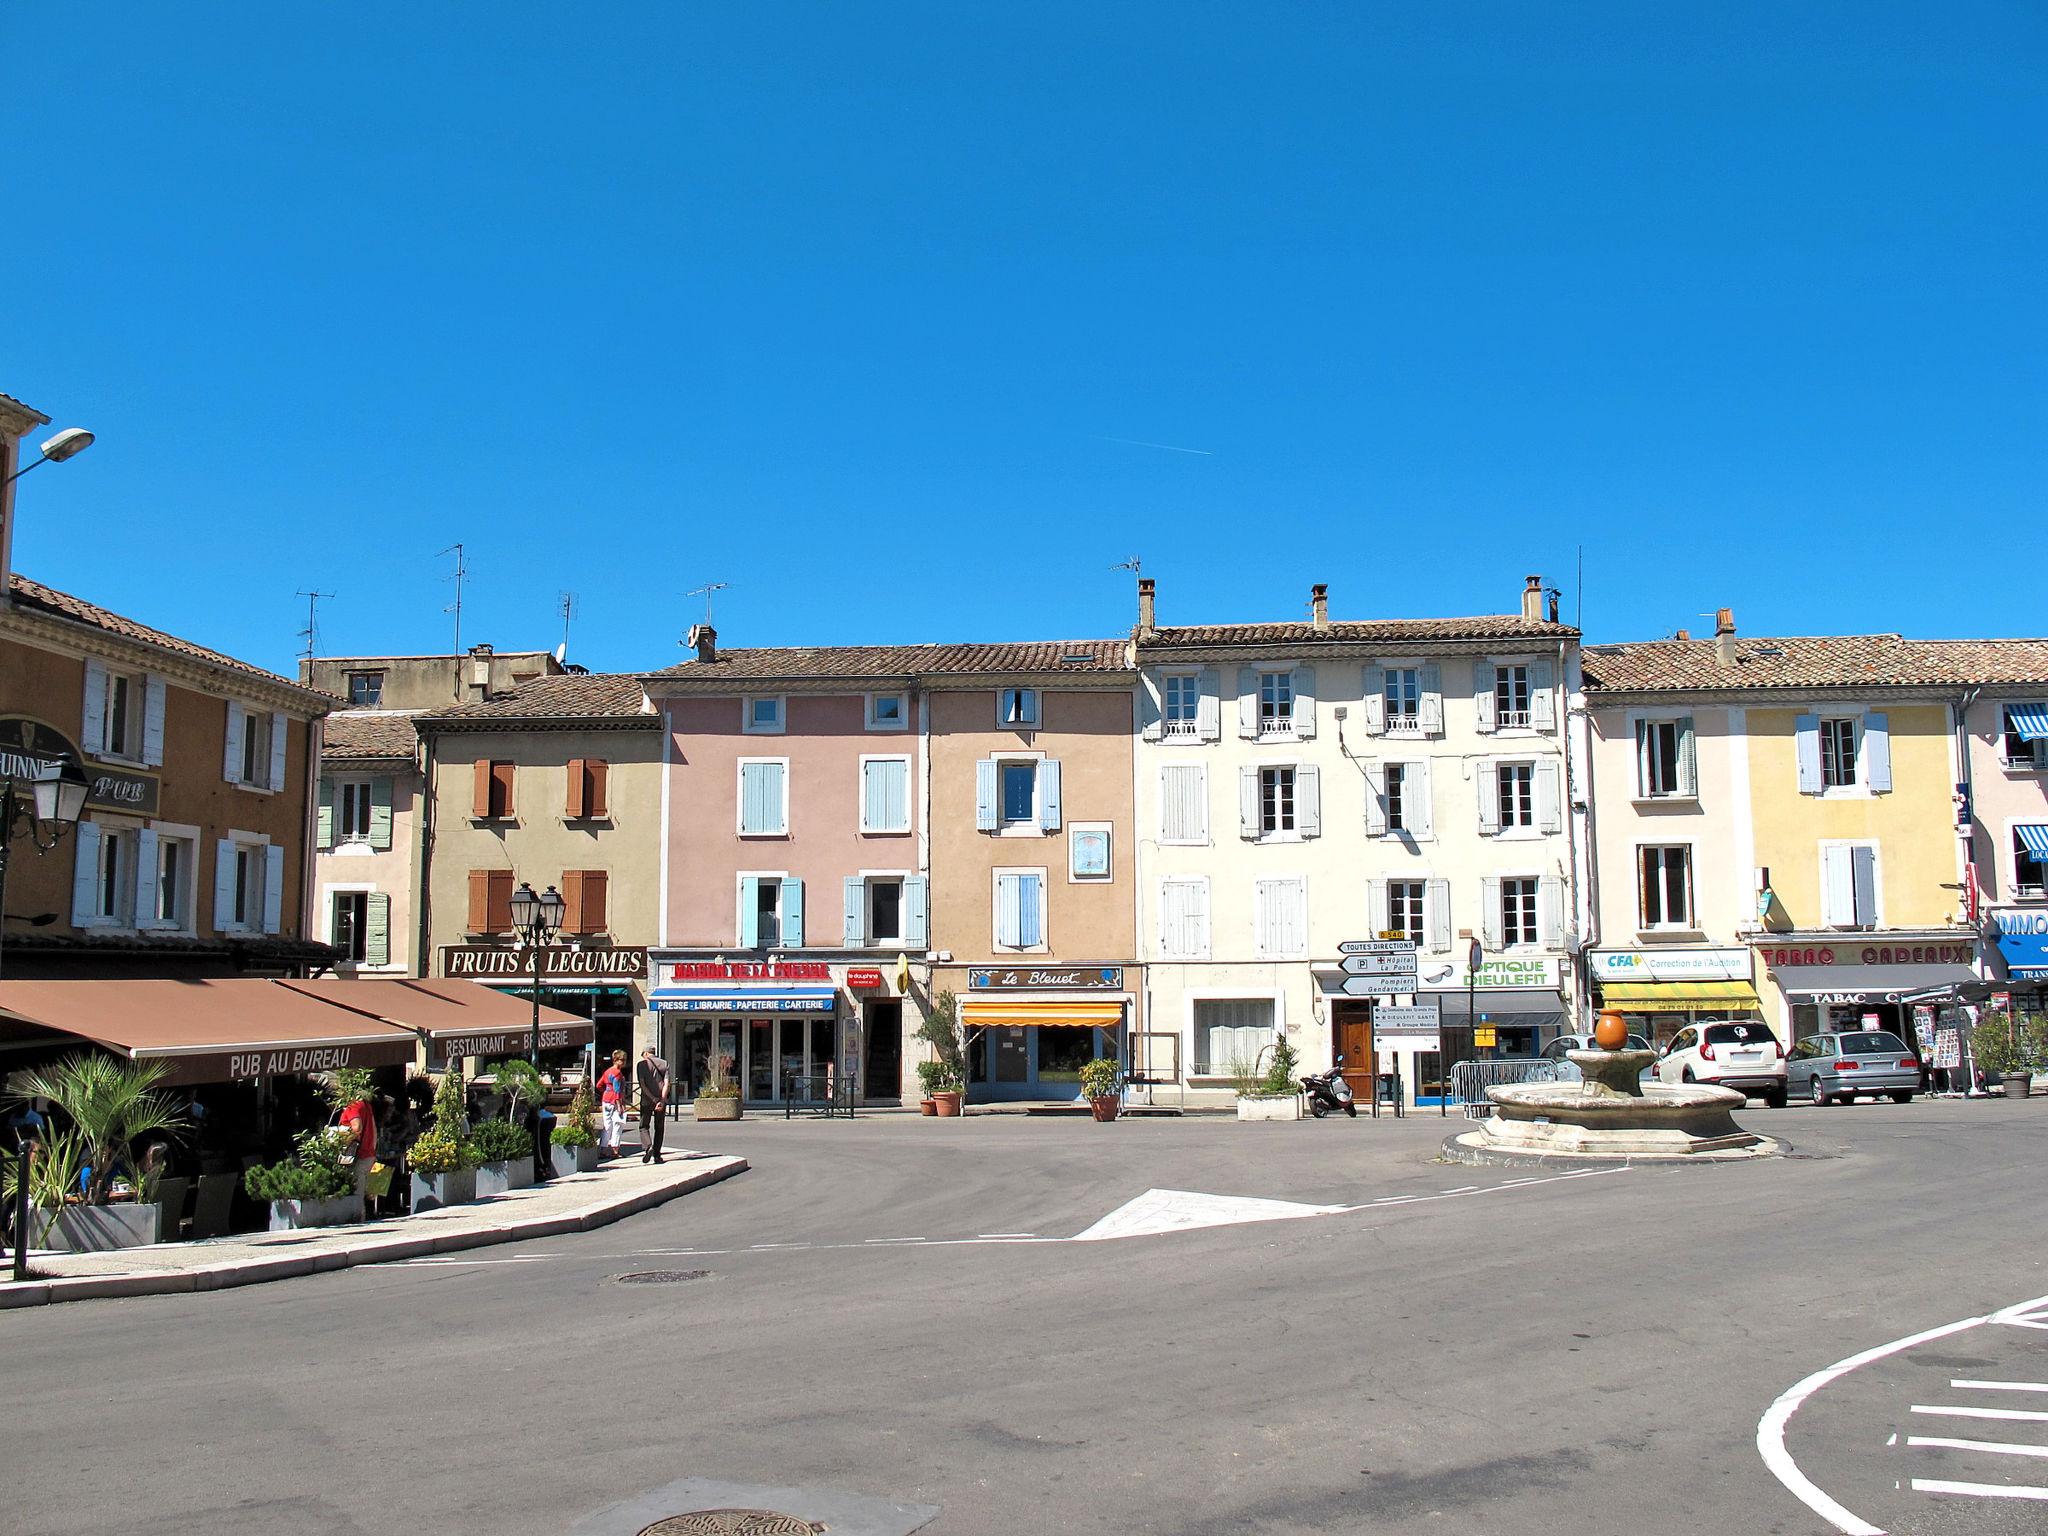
<point x="1997" y="1447"/>
<point x="523" y="1258"/>
<point x="895" y="1239"/>
<point x="1978" y="1490"/>
<point x="1182" y="1210"/>
<point x="1462" y="1189"/>
<point x="1981" y="1413"/>
<point x="992" y="1236"/>
<point x="778" y="1245"/>
<point x="2001" y="1386"/>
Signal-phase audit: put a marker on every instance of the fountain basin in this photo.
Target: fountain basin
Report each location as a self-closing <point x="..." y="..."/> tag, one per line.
<point x="1613" y="1114"/>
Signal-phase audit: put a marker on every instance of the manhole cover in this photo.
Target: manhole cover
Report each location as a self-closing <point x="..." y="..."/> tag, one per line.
<point x="732" y="1522"/>
<point x="673" y="1277"/>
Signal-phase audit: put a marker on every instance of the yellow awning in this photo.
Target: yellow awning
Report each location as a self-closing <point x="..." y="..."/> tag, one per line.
<point x="1678" y="996"/>
<point x="1016" y="1013"/>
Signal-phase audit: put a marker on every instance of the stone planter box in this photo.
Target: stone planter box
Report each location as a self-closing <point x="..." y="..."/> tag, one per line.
<point x="2017" y="1083"/>
<point x="504" y="1177"/>
<point x="716" y="1109"/>
<point x="291" y="1215"/>
<point x="568" y="1160"/>
<point x="99" y="1228"/>
<point x="1288" y="1108"/>
<point x="431" y="1191"/>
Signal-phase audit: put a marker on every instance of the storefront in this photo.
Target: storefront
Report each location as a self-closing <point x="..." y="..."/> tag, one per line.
<point x="2023" y="948"/>
<point x="1828" y="981"/>
<point x="1030" y="1029"/>
<point x="601" y="983"/>
<point x="1513" y="1008"/>
<point x="457" y="1021"/>
<point x="1661" y="991"/>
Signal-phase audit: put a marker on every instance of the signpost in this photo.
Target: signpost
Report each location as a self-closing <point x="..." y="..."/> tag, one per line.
<point x="1379" y="947"/>
<point x="1418" y="1029"/>
<point x="1379" y="965"/>
<point x="1378" y="986"/>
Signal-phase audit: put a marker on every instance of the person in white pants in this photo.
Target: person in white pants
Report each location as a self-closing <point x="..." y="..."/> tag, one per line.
<point x="611" y="1096"/>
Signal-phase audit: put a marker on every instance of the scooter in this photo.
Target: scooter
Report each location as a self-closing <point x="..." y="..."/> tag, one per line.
<point x="1328" y="1090"/>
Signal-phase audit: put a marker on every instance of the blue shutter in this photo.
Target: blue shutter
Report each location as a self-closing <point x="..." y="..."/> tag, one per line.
<point x="916" y="910"/>
<point x="1049" y="795"/>
<point x="792" y="914"/>
<point x="1030" y="909"/>
<point x="273" y="888"/>
<point x="854" y="897"/>
<point x="1877" y="752"/>
<point x="85" y="874"/>
<point x="93" y="726"/>
<point x="985" y="795"/>
<point x="1806" y="742"/>
<point x="1006" y="911"/>
<point x="750" y="912"/>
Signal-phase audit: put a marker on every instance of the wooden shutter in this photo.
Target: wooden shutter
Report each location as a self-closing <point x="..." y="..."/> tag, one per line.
<point x="1489" y="912"/>
<point x="1482" y="694"/>
<point x="1008" y="906"/>
<point x="1248" y="802"/>
<point x="1247" y="703"/>
<point x="326" y="812"/>
<point x="596" y="901"/>
<point x="1837" y="887"/>
<point x="985" y="795"/>
<point x="143" y="912"/>
<point x="231" y="760"/>
<point x="1806" y="741"/>
<point x="1376" y="799"/>
<point x="572" y="901"/>
<point x="1308" y="800"/>
<point x="1377" y="914"/>
<point x="1437" y="904"/>
<point x="377" y="929"/>
<point x="480" y="790"/>
<point x="85" y="875"/>
<point x="380" y="812"/>
<point x="273" y="888"/>
<point x="573" y="806"/>
<point x="1688" y="759"/>
<point x="1430" y="706"/>
<point x="1209" y="705"/>
<point x="1149" y="727"/>
<point x="280" y="738"/>
<point x="1549" y="799"/>
<point x="1863" y="878"/>
<point x="597" y="774"/>
<point x="853" y="909"/>
<point x="223" y="883"/>
<point x="1049" y="795"/>
<point x="916" y="913"/>
<point x="1486" y="779"/>
<point x="750" y="912"/>
<point x="1418" y="800"/>
<point x="499" y="911"/>
<point x="501" y="789"/>
<point x="153" y="721"/>
<point x="1304" y="702"/>
<point x="1550" y="912"/>
<point x="1542" y="701"/>
<point x="93" y="725"/>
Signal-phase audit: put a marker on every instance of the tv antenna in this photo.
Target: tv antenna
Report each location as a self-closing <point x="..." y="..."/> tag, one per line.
<point x="310" y="633"/>
<point x="566" y="606"/>
<point x="1134" y="565"/>
<point x="705" y="592"/>
<point x="461" y="571"/>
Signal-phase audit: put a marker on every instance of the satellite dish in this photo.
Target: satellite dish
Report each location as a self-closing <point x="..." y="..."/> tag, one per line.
<point x="561" y="651"/>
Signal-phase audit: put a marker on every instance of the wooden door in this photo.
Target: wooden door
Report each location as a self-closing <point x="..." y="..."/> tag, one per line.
<point x="1353" y="1023"/>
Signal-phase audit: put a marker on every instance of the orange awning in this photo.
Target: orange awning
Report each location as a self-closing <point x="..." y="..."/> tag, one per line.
<point x="1019" y="1012"/>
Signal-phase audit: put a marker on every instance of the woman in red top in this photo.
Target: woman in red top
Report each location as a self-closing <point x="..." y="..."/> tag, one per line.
<point x="361" y="1121"/>
<point x="611" y="1096"/>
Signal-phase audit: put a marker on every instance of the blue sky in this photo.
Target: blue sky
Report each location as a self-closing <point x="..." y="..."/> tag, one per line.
<point x="865" y="308"/>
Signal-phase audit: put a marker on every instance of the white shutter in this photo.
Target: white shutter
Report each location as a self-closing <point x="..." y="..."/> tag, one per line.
<point x="224" y="885"/>
<point x="1806" y="740"/>
<point x="1417" y="801"/>
<point x="85" y="875"/>
<point x="153" y="721"/>
<point x="231" y="761"/>
<point x="1688" y="759"/>
<point x="1209" y="710"/>
<point x="145" y="879"/>
<point x="1184" y="919"/>
<point x="1247" y="703"/>
<point x="1148" y="707"/>
<point x="1482" y="693"/>
<point x="273" y="888"/>
<point x="93" y="731"/>
<point x="854" y="911"/>
<point x="1248" y="802"/>
<point x="1550" y="912"/>
<point x="1489" y="912"/>
<point x="1430" y="710"/>
<point x="1049" y="795"/>
<point x="1877" y="752"/>
<point x="1375" y="799"/>
<point x="1373" y="700"/>
<point x="1008" y="909"/>
<point x="1376" y="914"/>
<point x="1280" y="918"/>
<point x="279" y="727"/>
<point x="1486" y="781"/>
<point x="985" y="795"/>
<point x="1438" y="903"/>
<point x="1184" y="803"/>
<point x="1863" y="875"/>
<point x="1542" y="702"/>
<point x="1305" y="703"/>
<point x="1549" y="810"/>
<point x="1837" y="888"/>
<point x="1308" y="800"/>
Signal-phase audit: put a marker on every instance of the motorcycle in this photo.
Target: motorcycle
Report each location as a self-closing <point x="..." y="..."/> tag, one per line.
<point x="1328" y="1090"/>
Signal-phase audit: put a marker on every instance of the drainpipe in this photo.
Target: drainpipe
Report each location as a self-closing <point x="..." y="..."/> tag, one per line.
<point x="309" y="836"/>
<point x="423" y="900"/>
<point x="1966" y="835"/>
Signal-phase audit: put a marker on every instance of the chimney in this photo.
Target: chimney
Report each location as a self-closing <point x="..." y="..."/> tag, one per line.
<point x="479" y="682"/>
<point x="705" y="641"/>
<point x="1724" y="636"/>
<point x="1319" y="606"/>
<point x="1683" y="634"/>
<point x="1532" y="598"/>
<point x="1147" y="588"/>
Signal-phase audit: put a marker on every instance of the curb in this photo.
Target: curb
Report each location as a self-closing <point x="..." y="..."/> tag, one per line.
<point x="412" y="1245"/>
<point x="1509" y="1157"/>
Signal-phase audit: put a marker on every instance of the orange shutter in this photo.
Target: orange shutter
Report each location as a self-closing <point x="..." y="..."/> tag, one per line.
<point x="479" y="901"/>
<point x="499" y="913"/>
<point x="594" y="884"/>
<point x="501" y="796"/>
<point x="573" y="807"/>
<point x="572" y="901"/>
<point x="599" y="772"/>
<point x="480" y="789"/>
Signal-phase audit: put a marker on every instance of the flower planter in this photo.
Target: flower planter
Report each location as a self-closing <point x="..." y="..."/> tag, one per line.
<point x="99" y="1228"/>
<point x="502" y="1178"/>
<point x="716" y="1109"/>
<point x="431" y="1191"/>
<point x="568" y="1160"/>
<point x="1106" y="1107"/>
<point x="1288" y="1108"/>
<point x="2017" y="1083"/>
<point x="946" y="1105"/>
<point x="290" y="1215"/>
<point x="927" y="1106"/>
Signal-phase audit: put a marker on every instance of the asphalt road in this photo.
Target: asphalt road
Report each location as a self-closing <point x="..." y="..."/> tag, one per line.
<point x="1582" y="1355"/>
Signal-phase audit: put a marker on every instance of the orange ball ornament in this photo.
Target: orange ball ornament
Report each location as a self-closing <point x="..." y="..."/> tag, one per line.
<point x="1610" y="1031"/>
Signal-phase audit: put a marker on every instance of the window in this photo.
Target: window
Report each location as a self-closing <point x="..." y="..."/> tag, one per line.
<point x="1515" y="794"/>
<point x="767" y="904"/>
<point x="888" y="712"/>
<point x="1511" y="697"/>
<point x="491" y="790"/>
<point x="885" y="794"/>
<point x="763" y="716"/>
<point x="1020" y="793"/>
<point x="1276" y="703"/>
<point x="1398" y="809"/>
<point x="1403" y="693"/>
<point x="1182" y="703"/>
<point x="2030" y="860"/>
<point x="1280" y="919"/>
<point x="1664" y="878"/>
<point x="1850" y="892"/>
<point x="169" y="886"/>
<point x="120" y="700"/>
<point x="1664" y="765"/>
<point x="1020" y="909"/>
<point x="1518" y="899"/>
<point x="1016" y="796"/>
<point x="2026" y="737"/>
<point x="1837" y="752"/>
<point x="352" y="811"/>
<point x="885" y="911"/>
<point x="1184" y="918"/>
<point x="1276" y="800"/>
<point x="1017" y="708"/>
<point x="349" y="926"/>
<point x="245" y="909"/>
<point x="1232" y="1035"/>
<point x="365" y="690"/>
<point x="256" y="750"/>
<point x="764" y="797"/>
<point x="115" y="856"/>
<point x="1184" y="803"/>
<point x="1405" y="909"/>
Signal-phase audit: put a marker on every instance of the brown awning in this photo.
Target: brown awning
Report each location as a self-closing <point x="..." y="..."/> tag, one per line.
<point x="230" y="1029"/>
<point x="455" y="1018"/>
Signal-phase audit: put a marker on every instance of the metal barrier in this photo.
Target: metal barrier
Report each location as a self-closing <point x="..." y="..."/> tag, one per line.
<point x="818" y="1093"/>
<point x="1471" y="1079"/>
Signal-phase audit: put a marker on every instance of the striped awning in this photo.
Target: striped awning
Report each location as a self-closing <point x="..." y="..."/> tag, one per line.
<point x="2029" y="721"/>
<point x="1022" y="1012"/>
<point x="2033" y="836"/>
<point x="1678" y="996"/>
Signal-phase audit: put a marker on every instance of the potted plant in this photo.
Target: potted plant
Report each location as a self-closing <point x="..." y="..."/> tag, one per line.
<point x="1099" y="1086"/>
<point x="1272" y="1094"/>
<point x="110" y="1104"/>
<point x="574" y="1138"/>
<point x="443" y="1160"/>
<point x="310" y="1188"/>
<point x="2000" y="1046"/>
<point x="930" y="1076"/>
<point x="719" y="1097"/>
<point x="504" y="1157"/>
<point x="941" y="1031"/>
<point x="525" y="1091"/>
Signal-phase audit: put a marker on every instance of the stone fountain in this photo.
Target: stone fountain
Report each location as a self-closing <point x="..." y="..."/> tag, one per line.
<point x="1611" y="1114"/>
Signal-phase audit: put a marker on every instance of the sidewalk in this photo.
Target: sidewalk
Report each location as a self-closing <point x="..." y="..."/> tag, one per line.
<point x="577" y="1203"/>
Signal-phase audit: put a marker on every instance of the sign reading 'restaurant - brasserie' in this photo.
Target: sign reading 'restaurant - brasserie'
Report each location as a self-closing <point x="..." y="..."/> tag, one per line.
<point x="477" y="961"/>
<point x="1104" y="976"/>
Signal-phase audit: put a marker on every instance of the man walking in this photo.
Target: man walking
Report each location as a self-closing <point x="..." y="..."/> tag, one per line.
<point x="652" y="1074"/>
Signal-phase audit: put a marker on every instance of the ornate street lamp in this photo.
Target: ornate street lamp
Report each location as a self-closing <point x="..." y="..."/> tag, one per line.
<point x="537" y="920"/>
<point x="54" y="804"/>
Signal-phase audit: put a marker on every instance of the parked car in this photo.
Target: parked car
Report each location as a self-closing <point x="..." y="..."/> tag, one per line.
<point x="1568" y="1069"/>
<point x="1836" y="1068"/>
<point x="1729" y="1053"/>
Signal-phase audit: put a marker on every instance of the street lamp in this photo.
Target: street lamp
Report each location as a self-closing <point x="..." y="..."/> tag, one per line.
<point x="537" y="920"/>
<point x="67" y="444"/>
<point x="54" y="804"/>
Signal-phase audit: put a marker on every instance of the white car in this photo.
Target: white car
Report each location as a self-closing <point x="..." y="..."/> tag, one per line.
<point x="1729" y="1053"/>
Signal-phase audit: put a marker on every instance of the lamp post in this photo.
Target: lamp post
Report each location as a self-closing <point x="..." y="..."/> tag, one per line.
<point x="55" y="449"/>
<point x="537" y="920"/>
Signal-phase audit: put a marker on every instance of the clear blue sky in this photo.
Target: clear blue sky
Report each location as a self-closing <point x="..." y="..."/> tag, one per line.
<point x="845" y="304"/>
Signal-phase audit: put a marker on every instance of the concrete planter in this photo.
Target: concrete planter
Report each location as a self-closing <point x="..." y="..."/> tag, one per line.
<point x="504" y="1177"/>
<point x="568" y="1160"/>
<point x="1288" y="1108"/>
<point x="716" y="1109"/>
<point x="2017" y="1083"/>
<point x="99" y="1228"/>
<point x="291" y="1215"/>
<point x="431" y="1191"/>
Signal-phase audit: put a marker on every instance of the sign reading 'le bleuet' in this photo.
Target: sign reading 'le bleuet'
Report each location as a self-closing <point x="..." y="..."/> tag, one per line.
<point x="1089" y="976"/>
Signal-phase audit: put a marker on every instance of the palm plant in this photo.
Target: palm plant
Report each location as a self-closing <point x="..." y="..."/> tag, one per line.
<point x="110" y="1103"/>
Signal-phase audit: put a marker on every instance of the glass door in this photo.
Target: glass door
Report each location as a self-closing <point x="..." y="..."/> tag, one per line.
<point x="760" y="1060"/>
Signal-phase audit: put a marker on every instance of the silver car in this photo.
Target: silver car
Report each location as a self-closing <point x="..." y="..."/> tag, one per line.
<point x="1836" y="1068"/>
<point x="1568" y="1070"/>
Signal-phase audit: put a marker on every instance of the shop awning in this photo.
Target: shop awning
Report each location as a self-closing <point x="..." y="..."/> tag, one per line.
<point x="2029" y="721"/>
<point x="725" y="1000"/>
<point x="2033" y="836"/>
<point x="455" y="1018"/>
<point x="1679" y="996"/>
<point x="231" y="1029"/>
<point x="1023" y="1012"/>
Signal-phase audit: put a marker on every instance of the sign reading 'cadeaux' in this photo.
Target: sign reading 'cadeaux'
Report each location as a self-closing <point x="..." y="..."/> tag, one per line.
<point x="31" y="750"/>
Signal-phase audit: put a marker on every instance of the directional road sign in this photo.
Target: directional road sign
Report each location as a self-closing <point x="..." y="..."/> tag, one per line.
<point x="1379" y="965"/>
<point x="1377" y="947"/>
<point x="1378" y="986"/>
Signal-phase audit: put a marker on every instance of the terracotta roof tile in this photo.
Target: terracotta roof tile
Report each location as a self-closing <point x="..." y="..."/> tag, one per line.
<point x="570" y="696"/>
<point x="368" y="734"/>
<point x="1813" y="661"/>
<point x="1385" y="632"/>
<point x="784" y="663"/>
<point x="34" y="597"/>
